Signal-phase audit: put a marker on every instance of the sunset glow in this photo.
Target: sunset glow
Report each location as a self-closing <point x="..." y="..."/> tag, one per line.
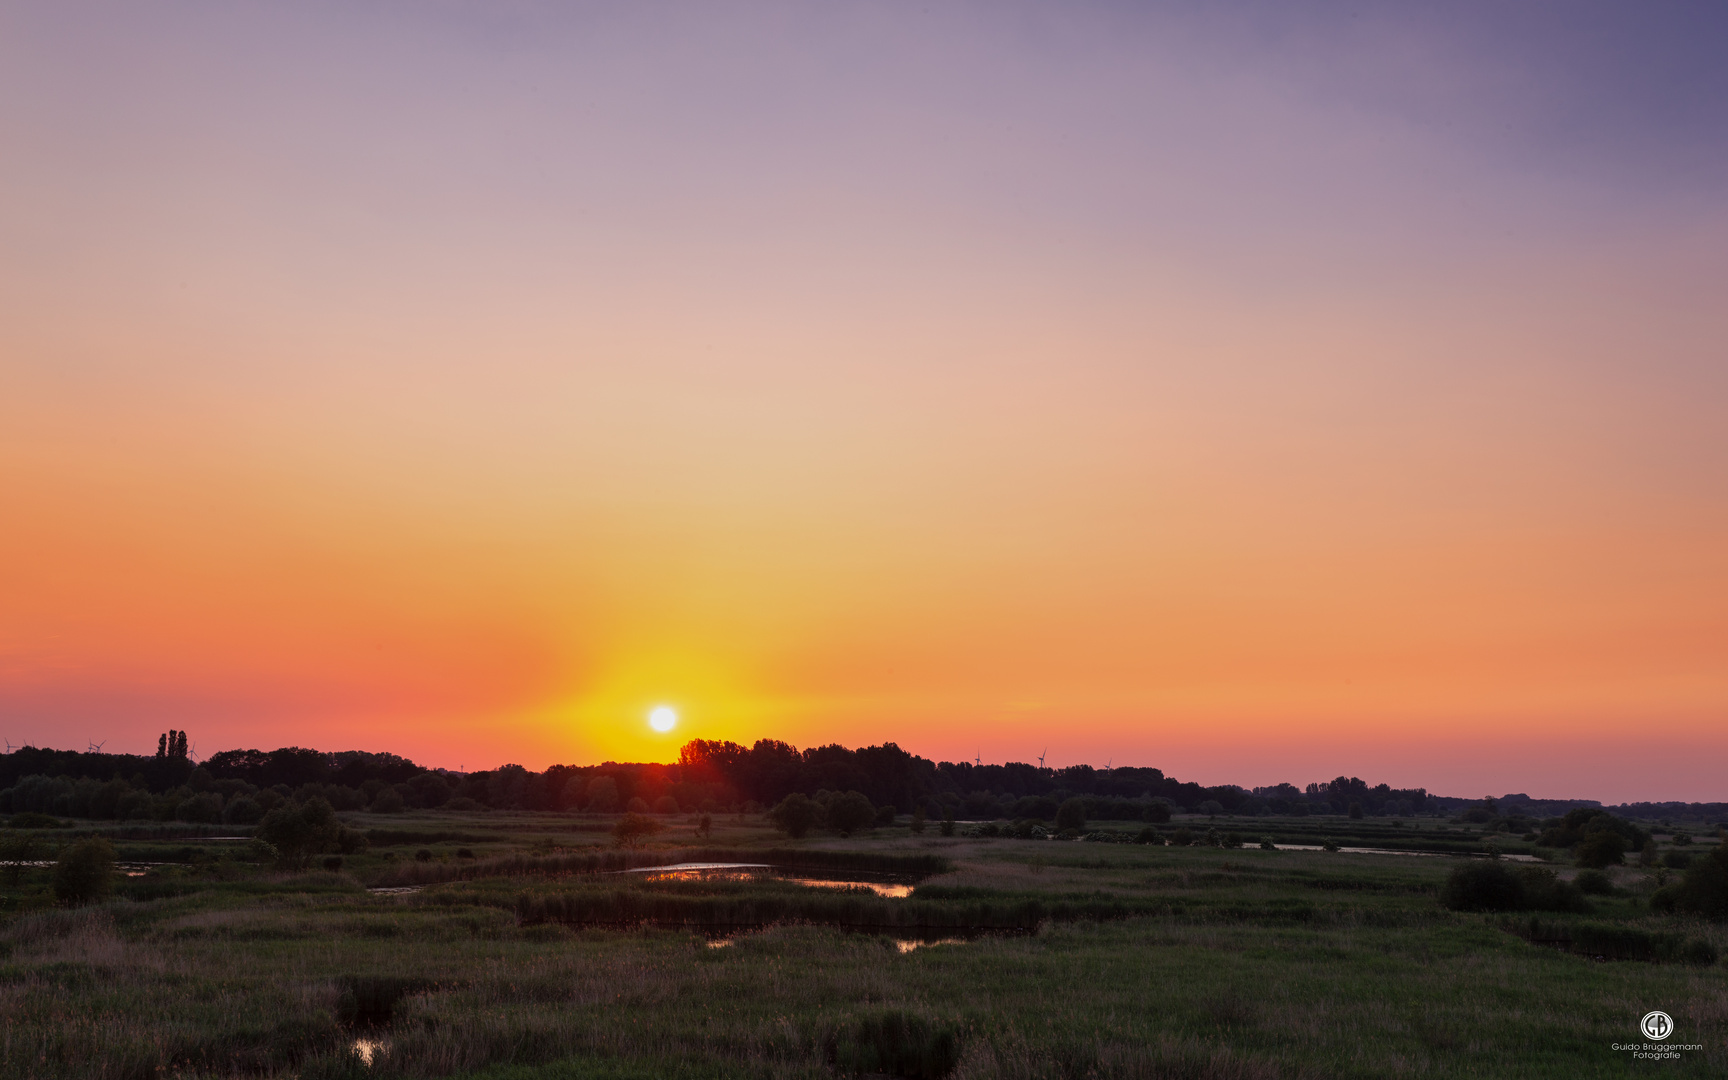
<point x="478" y="384"/>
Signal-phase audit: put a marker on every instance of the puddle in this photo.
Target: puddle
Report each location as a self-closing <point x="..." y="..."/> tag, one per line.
<point x="1395" y="851"/>
<point x="896" y="892"/>
<point x="906" y="945"/>
<point x="695" y="871"/>
<point x="367" y="1049"/>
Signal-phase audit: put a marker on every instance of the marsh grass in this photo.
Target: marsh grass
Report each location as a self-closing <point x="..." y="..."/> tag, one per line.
<point x="1232" y="965"/>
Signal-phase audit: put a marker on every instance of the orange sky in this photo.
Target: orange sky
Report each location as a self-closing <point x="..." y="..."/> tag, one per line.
<point x="1237" y="431"/>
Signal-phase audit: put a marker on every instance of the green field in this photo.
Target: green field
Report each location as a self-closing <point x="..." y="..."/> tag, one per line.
<point x="516" y="959"/>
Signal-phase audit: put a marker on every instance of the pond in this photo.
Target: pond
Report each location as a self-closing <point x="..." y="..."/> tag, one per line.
<point x="712" y="871"/>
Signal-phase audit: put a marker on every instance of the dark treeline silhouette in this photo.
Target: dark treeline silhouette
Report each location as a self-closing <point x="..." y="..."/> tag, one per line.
<point x="240" y="786"/>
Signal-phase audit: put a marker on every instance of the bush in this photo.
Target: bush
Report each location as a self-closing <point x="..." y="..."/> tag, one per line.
<point x="633" y="828"/>
<point x="242" y="810"/>
<point x="947" y="826"/>
<point x="1232" y="840"/>
<point x="1157" y="812"/>
<point x="1704" y="891"/>
<point x="885" y="815"/>
<point x="1266" y="844"/>
<point x="333" y="863"/>
<point x="1211" y="808"/>
<point x="310" y="830"/>
<point x="388" y="801"/>
<point x="1182" y="837"/>
<point x="1328" y="844"/>
<point x="1601" y="848"/>
<point x="705" y="826"/>
<point x="1071" y="814"/>
<point x="1148" y="835"/>
<point x="33" y="820"/>
<point x="84" y="873"/>
<point x="850" y="812"/>
<point x="918" y="819"/>
<point x="796" y="814"/>
<point x="665" y="804"/>
<point x="423" y="855"/>
<point x="1593" y="883"/>
<point x="1492" y="886"/>
<point x="1676" y="860"/>
<point x="636" y="805"/>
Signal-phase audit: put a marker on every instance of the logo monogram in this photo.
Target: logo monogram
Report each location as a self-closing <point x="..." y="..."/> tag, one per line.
<point x="1656" y="1025"/>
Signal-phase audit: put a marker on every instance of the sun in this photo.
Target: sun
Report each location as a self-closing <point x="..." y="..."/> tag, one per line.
<point x="662" y="717"/>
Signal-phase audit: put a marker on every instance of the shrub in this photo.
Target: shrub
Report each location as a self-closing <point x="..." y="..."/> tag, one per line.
<point x="1266" y="844"/>
<point x="1682" y="839"/>
<point x="1211" y="808"/>
<point x="1329" y="844"/>
<point x="333" y="863"/>
<point x="1148" y="835"/>
<point x="1676" y="860"/>
<point x="796" y="814"/>
<point x="241" y="810"/>
<point x="1214" y="838"/>
<point x="33" y="820"/>
<point x="885" y="815"/>
<point x="1071" y="814"/>
<point x="1492" y="886"/>
<point x="705" y="826"/>
<point x="633" y="828"/>
<point x="1182" y="837"/>
<point x="388" y="801"/>
<point x="1356" y="810"/>
<point x="1232" y="840"/>
<point x="84" y="873"/>
<point x="947" y="826"/>
<point x="850" y="812"/>
<point x="311" y="829"/>
<point x="918" y="819"/>
<point x="636" y="805"/>
<point x="602" y="795"/>
<point x="1704" y="891"/>
<point x="464" y="853"/>
<point x="1157" y="812"/>
<point x="1593" y="883"/>
<point x="665" y="804"/>
<point x="423" y="855"/>
<point x="1601" y="848"/>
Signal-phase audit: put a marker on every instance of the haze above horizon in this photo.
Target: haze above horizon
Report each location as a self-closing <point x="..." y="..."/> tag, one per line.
<point x="1257" y="395"/>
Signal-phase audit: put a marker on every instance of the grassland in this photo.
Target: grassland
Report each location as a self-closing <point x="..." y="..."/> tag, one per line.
<point x="517" y="959"/>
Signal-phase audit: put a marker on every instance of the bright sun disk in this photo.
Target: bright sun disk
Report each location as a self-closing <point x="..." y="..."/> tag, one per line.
<point x="662" y="717"/>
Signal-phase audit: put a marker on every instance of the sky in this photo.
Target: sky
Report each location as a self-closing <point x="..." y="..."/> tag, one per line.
<point x="1262" y="395"/>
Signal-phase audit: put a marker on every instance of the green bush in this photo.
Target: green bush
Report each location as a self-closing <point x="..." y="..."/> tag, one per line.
<point x="1148" y="835"/>
<point x="1492" y="886"/>
<point x="1182" y="837"/>
<point x="84" y="872"/>
<point x="1593" y="883"/>
<point x="796" y="814"/>
<point x="1267" y="844"/>
<point x="1704" y="890"/>
<point x="1601" y="848"/>
<point x="1071" y="814"/>
<point x="633" y="828"/>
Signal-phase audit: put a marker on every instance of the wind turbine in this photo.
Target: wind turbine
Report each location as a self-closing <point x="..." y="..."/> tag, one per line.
<point x="1041" y="757"/>
<point x="95" y="747"/>
<point x="9" y="746"/>
<point x="978" y="758"/>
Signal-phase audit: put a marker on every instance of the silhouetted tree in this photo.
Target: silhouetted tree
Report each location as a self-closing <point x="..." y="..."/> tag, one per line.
<point x="84" y="872"/>
<point x="603" y="795"/>
<point x="1071" y="814"/>
<point x="795" y="815"/>
<point x="850" y="812"/>
<point x="634" y="828"/>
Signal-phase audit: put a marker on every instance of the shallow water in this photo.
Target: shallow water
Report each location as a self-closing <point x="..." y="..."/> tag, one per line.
<point x="746" y="871"/>
<point x="1395" y="851"/>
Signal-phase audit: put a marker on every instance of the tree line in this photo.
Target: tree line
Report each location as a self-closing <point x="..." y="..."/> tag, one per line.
<point x="241" y="786"/>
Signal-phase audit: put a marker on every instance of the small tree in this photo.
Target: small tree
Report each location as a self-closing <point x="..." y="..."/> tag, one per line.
<point x="947" y="826"/>
<point x="796" y="815"/>
<point x="1071" y="814"/>
<point x="1356" y="809"/>
<point x="602" y="795"/>
<point x="918" y="819"/>
<point x="84" y="872"/>
<point x="1599" y="849"/>
<point x="1157" y="812"/>
<point x="632" y="829"/>
<point x="851" y="812"/>
<point x="665" y="804"/>
<point x="705" y="826"/>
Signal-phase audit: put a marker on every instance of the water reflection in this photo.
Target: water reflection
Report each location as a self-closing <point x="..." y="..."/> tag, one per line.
<point x="906" y="945"/>
<point x="1396" y="851"/>
<point x="753" y="871"/>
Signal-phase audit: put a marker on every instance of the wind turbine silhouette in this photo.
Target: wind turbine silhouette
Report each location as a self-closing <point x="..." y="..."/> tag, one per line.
<point x="9" y="746"/>
<point x="978" y="758"/>
<point x="95" y="747"/>
<point x="1041" y="757"/>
